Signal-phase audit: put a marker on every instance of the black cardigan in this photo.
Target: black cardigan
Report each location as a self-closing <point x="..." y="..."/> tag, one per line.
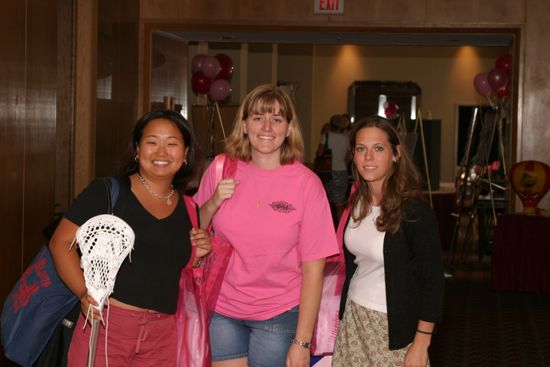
<point x="414" y="274"/>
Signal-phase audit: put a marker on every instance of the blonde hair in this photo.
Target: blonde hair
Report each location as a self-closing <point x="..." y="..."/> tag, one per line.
<point x="260" y="100"/>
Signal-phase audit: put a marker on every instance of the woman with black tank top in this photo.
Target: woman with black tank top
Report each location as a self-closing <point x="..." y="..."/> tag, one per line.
<point x="161" y="159"/>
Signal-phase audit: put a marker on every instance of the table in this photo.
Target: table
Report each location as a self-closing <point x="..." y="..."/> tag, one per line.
<point x="521" y="254"/>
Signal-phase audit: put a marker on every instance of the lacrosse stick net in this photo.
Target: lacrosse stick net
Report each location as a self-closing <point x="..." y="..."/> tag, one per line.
<point x="104" y="242"/>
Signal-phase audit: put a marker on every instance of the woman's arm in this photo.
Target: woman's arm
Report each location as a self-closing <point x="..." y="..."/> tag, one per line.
<point x="424" y="238"/>
<point x="67" y="262"/>
<point x="417" y="354"/>
<point x="310" y="298"/>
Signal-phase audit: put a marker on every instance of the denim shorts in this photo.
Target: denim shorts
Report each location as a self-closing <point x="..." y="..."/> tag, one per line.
<point x="265" y="343"/>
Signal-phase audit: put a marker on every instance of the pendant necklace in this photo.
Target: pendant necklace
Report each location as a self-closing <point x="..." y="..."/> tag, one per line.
<point x="166" y="198"/>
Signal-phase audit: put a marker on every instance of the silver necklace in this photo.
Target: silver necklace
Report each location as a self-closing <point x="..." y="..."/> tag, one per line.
<point x="166" y="198"/>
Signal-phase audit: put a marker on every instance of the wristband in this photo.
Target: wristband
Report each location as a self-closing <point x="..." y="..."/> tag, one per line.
<point x="301" y="343"/>
<point x="424" y="332"/>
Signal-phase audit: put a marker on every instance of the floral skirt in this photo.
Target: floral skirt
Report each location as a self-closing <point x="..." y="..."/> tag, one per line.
<point x="363" y="340"/>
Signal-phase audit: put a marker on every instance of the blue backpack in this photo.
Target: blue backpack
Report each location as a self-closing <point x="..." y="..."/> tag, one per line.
<point x="38" y="304"/>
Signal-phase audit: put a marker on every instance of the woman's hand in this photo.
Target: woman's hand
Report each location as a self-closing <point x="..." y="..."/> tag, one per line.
<point x="224" y="191"/>
<point x="417" y="355"/>
<point x="85" y="302"/>
<point x="297" y="356"/>
<point x="201" y="240"/>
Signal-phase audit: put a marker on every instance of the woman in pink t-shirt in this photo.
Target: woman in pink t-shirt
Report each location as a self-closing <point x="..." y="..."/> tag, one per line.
<point x="275" y="213"/>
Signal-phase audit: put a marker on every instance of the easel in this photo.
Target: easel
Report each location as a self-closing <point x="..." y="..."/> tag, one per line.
<point x="402" y="129"/>
<point x="469" y="178"/>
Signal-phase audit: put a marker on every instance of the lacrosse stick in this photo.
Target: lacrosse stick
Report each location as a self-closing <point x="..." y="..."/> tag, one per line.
<point x="104" y="241"/>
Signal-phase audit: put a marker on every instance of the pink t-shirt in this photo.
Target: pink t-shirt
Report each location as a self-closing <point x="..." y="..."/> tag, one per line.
<point x="275" y="220"/>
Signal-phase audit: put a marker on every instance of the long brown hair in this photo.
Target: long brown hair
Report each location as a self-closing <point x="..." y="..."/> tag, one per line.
<point x="402" y="184"/>
<point x="262" y="99"/>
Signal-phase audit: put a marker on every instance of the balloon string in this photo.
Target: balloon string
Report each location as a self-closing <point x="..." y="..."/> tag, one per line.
<point x="220" y="119"/>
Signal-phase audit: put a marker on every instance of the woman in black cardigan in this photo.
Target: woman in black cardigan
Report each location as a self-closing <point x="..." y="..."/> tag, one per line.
<point x="393" y="294"/>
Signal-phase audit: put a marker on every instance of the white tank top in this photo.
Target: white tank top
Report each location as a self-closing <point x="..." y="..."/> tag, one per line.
<point x="368" y="284"/>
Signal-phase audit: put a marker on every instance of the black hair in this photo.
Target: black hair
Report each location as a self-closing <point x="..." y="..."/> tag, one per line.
<point x="187" y="171"/>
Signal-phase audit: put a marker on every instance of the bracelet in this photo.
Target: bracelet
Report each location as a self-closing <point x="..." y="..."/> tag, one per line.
<point x="424" y="332"/>
<point x="301" y="343"/>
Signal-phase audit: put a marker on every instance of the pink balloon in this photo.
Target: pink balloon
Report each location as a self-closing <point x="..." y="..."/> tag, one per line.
<point x="219" y="90"/>
<point x="481" y="84"/>
<point x="196" y="63"/>
<point x="504" y="62"/>
<point x="210" y="67"/>
<point x="497" y="78"/>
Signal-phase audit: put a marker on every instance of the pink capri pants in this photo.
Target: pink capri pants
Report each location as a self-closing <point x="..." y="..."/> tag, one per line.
<point x="134" y="338"/>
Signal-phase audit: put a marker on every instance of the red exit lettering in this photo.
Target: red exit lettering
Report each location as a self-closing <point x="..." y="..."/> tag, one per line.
<point x="329" y="4"/>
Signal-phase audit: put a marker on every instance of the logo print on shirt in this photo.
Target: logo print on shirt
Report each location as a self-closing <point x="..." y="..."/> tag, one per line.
<point x="282" y="207"/>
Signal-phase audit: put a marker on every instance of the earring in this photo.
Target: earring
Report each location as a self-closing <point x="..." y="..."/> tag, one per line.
<point x="185" y="162"/>
<point x="136" y="158"/>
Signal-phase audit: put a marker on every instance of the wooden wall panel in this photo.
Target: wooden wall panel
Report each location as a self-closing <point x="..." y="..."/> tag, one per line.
<point x="12" y="107"/>
<point x="28" y="89"/>
<point x="535" y="101"/>
<point x="372" y="13"/>
<point x="64" y="105"/>
<point x="85" y="92"/>
<point x="116" y="115"/>
<point x="40" y="121"/>
<point x="475" y="13"/>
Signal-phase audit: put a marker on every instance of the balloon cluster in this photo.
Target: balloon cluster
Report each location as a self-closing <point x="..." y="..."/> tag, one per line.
<point x="494" y="84"/>
<point x="211" y="75"/>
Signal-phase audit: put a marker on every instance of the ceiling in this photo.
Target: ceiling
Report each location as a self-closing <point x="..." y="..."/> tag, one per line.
<point x="335" y="37"/>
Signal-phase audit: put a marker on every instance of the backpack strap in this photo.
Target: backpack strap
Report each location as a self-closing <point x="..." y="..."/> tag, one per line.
<point x="192" y="211"/>
<point x="111" y="183"/>
<point x="226" y="167"/>
<point x="115" y="188"/>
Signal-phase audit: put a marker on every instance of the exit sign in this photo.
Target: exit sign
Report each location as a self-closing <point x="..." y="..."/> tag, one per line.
<point x="328" y="6"/>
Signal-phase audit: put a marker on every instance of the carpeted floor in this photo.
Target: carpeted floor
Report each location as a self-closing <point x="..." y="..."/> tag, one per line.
<point x="482" y="327"/>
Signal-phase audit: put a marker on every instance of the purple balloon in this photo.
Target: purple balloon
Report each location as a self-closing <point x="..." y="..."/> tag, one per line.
<point x="210" y="67"/>
<point x="481" y="84"/>
<point x="219" y="90"/>
<point x="196" y="63"/>
<point x="497" y="78"/>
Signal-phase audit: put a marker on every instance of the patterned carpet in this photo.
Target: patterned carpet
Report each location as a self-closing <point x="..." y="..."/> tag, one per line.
<point x="482" y="327"/>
